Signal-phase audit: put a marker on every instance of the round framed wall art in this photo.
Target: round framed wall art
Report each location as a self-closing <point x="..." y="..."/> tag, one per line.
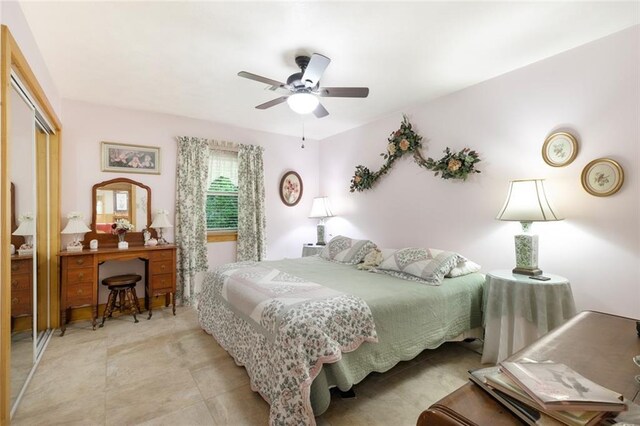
<point x="291" y="188"/>
<point x="560" y="149"/>
<point x="602" y="177"/>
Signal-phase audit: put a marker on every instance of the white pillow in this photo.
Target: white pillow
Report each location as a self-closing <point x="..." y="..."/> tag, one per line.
<point x="464" y="267"/>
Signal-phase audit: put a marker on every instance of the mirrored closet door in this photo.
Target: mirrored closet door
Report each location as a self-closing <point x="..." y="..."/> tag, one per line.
<point x="30" y="245"/>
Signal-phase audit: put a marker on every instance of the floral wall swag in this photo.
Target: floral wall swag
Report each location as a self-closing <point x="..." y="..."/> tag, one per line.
<point x="454" y="165"/>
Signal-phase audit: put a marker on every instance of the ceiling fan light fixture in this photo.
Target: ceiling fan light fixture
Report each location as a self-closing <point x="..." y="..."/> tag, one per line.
<point x="303" y="103"/>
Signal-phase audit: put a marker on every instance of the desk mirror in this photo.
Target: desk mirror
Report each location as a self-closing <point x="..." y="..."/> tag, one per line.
<point x="115" y="199"/>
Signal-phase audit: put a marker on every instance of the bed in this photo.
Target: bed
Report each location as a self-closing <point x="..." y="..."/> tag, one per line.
<point x="409" y="317"/>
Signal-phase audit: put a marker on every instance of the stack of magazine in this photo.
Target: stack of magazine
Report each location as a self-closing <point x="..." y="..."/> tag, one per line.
<point x="549" y="393"/>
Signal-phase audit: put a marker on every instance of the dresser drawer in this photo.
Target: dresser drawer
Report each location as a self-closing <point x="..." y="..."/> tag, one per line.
<point x="161" y="267"/>
<point x="80" y="294"/>
<point x="78" y="275"/>
<point x="162" y="284"/>
<point x="74" y="262"/>
<point x="21" y="304"/>
<point x="20" y="282"/>
<point x="21" y="266"/>
<point x="161" y="255"/>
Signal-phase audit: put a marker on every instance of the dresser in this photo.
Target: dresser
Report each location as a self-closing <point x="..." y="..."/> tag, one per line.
<point x="21" y="286"/>
<point x="79" y="274"/>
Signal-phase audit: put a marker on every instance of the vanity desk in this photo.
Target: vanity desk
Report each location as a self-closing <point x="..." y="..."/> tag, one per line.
<point x="79" y="276"/>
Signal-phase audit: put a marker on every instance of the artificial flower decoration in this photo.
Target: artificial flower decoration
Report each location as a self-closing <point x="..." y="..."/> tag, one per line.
<point x="405" y="140"/>
<point x="401" y="141"/>
<point x="120" y="227"/>
<point x="454" y="165"/>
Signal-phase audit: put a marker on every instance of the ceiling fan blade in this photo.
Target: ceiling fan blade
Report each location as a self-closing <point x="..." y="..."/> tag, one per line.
<point x="344" y="92"/>
<point x="317" y="64"/>
<point x="320" y="111"/>
<point x="261" y="79"/>
<point x="271" y="103"/>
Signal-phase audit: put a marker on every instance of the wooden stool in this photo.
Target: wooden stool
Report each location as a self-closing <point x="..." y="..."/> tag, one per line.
<point x="123" y="287"/>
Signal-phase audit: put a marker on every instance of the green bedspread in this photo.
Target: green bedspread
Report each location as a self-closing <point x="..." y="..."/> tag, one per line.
<point x="409" y="318"/>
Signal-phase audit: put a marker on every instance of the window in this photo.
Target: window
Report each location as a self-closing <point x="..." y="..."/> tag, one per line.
<point x="222" y="194"/>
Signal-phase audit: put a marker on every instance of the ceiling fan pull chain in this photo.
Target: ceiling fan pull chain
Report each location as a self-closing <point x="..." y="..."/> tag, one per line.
<point x="302" y="134"/>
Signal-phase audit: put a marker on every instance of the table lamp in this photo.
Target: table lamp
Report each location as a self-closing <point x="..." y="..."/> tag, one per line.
<point x="526" y="203"/>
<point x="161" y="221"/>
<point x="77" y="228"/>
<point x="26" y="229"/>
<point x="320" y="210"/>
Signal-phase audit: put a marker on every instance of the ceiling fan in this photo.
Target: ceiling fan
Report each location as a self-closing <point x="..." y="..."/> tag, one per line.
<point x="302" y="89"/>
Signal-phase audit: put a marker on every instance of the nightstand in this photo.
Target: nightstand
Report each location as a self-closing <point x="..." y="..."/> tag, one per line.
<point x="311" y="249"/>
<point x="518" y="310"/>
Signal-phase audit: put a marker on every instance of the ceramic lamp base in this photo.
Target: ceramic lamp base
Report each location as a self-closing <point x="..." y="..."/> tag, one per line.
<point x="320" y="234"/>
<point x="527" y="255"/>
<point x="122" y="245"/>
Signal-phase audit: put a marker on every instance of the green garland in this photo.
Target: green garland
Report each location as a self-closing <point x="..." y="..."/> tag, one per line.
<point x="454" y="165"/>
<point x="404" y="141"/>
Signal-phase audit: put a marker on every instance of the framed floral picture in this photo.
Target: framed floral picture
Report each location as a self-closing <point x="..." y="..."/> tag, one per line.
<point x="560" y="149"/>
<point x="291" y="188"/>
<point x="123" y="158"/>
<point x="602" y="177"/>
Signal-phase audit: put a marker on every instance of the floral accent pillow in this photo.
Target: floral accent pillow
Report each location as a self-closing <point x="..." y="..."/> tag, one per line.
<point x="346" y="250"/>
<point x="428" y="266"/>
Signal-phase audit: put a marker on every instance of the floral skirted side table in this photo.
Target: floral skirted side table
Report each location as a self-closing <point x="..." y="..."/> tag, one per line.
<point x="518" y="310"/>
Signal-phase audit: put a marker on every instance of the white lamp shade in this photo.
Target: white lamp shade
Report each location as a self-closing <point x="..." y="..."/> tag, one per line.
<point x="161" y="220"/>
<point x="27" y="227"/>
<point x="528" y="202"/>
<point x="320" y="208"/>
<point x="303" y="103"/>
<point x="75" y="226"/>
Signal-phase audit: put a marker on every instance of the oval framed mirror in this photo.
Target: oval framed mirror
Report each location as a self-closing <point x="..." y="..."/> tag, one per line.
<point x="120" y="198"/>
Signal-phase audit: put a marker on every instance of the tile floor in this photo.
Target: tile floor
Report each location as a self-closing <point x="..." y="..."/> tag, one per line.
<point x="167" y="371"/>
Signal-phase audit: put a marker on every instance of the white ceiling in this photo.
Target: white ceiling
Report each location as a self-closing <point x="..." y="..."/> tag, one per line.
<point x="182" y="57"/>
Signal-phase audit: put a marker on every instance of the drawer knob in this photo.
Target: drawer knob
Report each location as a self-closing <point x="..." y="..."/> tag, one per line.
<point x="79" y="261"/>
<point x="14" y="283"/>
<point x="163" y="267"/>
<point x="14" y="266"/>
<point x="81" y="275"/>
<point x="15" y="301"/>
<point x="79" y="291"/>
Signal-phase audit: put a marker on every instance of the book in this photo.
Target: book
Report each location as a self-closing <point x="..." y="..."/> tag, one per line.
<point x="555" y="386"/>
<point x="526" y="413"/>
<point x="500" y="382"/>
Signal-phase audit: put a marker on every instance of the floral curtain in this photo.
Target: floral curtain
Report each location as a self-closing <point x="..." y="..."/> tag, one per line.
<point x="191" y="222"/>
<point x="252" y="243"/>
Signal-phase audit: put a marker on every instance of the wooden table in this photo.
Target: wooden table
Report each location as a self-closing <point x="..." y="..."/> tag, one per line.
<point x="79" y="274"/>
<point x="598" y="346"/>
